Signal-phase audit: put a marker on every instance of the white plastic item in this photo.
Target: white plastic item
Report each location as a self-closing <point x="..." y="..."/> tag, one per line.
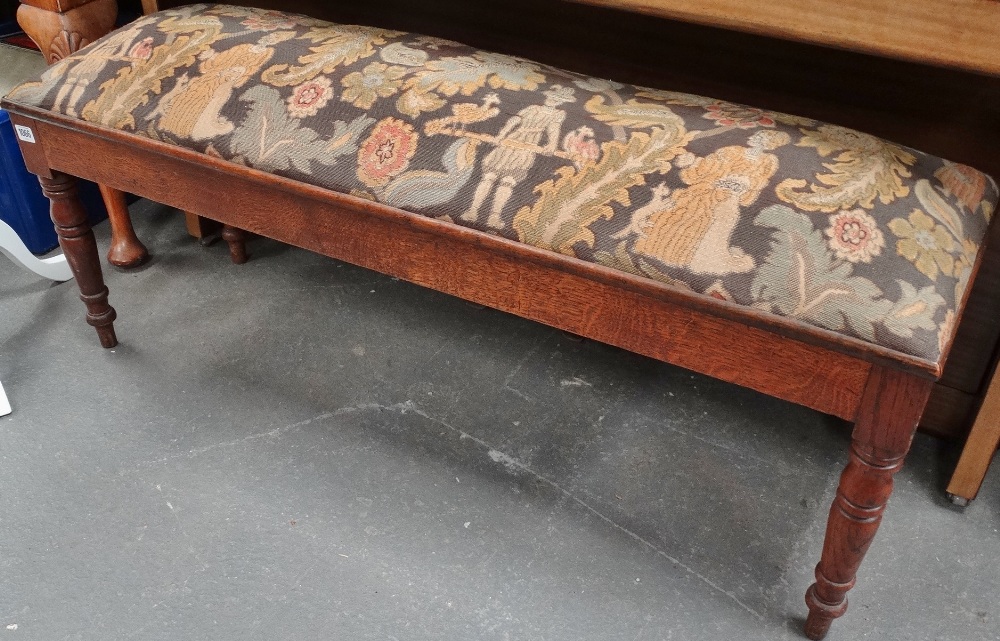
<point x="55" y="268"/>
<point x="4" y="403"/>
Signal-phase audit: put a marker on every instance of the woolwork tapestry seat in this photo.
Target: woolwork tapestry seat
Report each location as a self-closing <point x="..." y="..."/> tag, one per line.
<point x="795" y="217"/>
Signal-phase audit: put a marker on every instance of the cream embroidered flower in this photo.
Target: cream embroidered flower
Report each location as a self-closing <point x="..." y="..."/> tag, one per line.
<point x="854" y="236"/>
<point x="363" y="88"/>
<point x="925" y="243"/>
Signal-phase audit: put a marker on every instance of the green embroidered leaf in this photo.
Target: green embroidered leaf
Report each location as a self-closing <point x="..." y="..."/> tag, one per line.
<point x="935" y="205"/>
<point x="466" y="74"/>
<point x="622" y="260"/>
<point x="801" y="279"/>
<point x="915" y="309"/>
<point x="422" y="188"/>
<point x="272" y="140"/>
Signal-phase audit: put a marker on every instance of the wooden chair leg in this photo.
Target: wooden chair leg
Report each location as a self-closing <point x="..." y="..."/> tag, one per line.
<point x="236" y="238"/>
<point x="80" y="248"/>
<point x="205" y="230"/>
<point x="887" y="419"/>
<point x="979" y="448"/>
<point x="126" y="249"/>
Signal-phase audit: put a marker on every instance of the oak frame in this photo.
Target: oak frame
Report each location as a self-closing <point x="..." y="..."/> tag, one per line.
<point x="881" y="391"/>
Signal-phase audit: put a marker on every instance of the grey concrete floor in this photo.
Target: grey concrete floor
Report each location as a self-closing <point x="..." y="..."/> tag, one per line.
<point x="297" y="448"/>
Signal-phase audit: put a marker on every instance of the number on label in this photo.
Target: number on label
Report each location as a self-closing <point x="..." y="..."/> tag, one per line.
<point x="25" y="133"/>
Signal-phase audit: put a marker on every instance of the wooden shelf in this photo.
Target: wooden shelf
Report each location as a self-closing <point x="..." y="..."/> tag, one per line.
<point x="950" y="33"/>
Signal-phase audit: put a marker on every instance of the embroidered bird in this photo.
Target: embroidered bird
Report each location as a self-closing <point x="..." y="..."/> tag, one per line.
<point x="464" y="114"/>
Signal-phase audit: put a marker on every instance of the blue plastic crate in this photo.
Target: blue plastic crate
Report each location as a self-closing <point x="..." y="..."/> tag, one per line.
<point x="22" y="204"/>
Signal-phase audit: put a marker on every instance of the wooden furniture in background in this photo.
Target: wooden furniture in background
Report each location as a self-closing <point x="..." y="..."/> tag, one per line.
<point x="59" y="28"/>
<point x="979" y="450"/>
<point x="948" y="33"/>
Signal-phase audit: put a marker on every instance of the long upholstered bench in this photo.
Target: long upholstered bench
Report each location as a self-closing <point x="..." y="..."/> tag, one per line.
<point x="811" y="262"/>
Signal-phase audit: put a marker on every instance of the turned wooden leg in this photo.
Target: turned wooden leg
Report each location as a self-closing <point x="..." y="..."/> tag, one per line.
<point x="236" y="238"/>
<point x="80" y="248"/>
<point x="126" y="249"/>
<point x="58" y="32"/>
<point x="887" y="419"/>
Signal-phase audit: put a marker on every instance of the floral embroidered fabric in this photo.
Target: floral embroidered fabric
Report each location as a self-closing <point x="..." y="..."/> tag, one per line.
<point x="791" y="216"/>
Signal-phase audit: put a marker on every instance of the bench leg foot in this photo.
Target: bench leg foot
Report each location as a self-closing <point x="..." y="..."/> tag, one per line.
<point x="887" y="419"/>
<point x="126" y="250"/>
<point x="80" y="248"/>
<point x="237" y="240"/>
<point x="959" y="501"/>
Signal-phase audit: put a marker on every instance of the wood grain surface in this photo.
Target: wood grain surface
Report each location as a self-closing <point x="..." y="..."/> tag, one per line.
<point x="980" y="448"/>
<point x="58" y="6"/>
<point x="60" y="31"/>
<point x="952" y="33"/>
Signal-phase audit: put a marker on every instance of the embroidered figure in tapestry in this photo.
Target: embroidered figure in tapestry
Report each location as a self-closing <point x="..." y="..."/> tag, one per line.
<point x="517" y="145"/>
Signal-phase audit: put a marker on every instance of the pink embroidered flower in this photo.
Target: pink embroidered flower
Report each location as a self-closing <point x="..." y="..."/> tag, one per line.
<point x="268" y="21"/>
<point x="580" y="146"/>
<point x="386" y="152"/>
<point x="855" y="236"/>
<point x="964" y="182"/>
<point x="309" y="97"/>
<point x="142" y="50"/>
<point x="728" y="114"/>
